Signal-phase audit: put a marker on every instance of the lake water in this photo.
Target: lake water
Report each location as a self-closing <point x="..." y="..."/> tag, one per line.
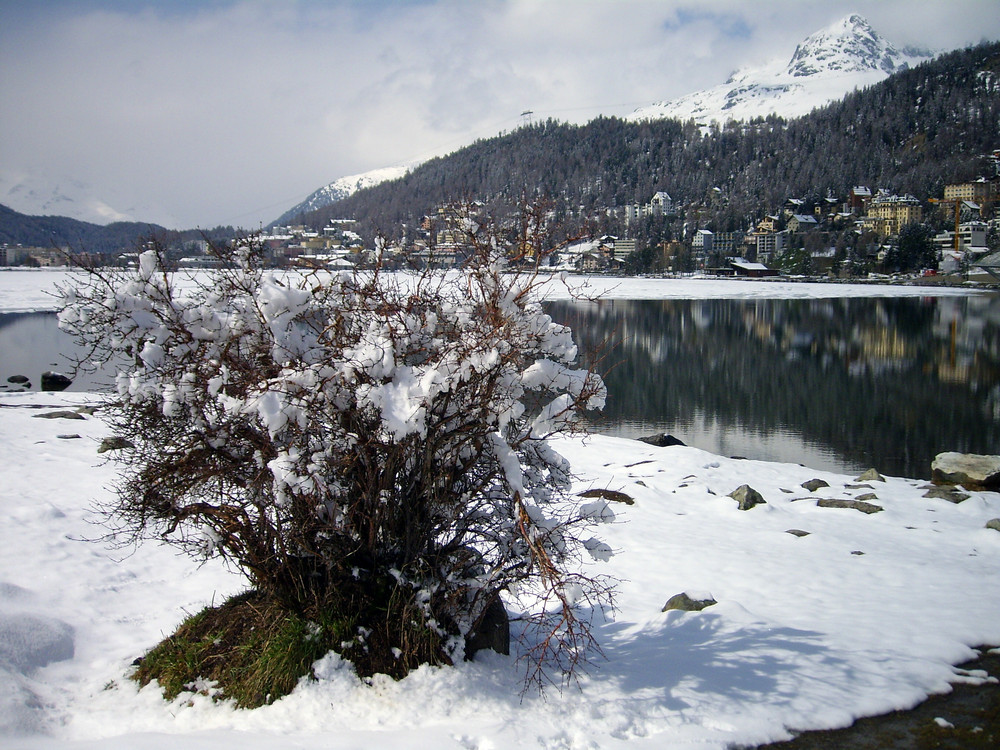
<point x="31" y="343"/>
<point x="838" y="384"/>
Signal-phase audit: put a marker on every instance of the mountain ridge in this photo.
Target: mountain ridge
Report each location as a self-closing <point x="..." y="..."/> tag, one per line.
<point x="910" y="133"/>
<point x="826" y="66"/>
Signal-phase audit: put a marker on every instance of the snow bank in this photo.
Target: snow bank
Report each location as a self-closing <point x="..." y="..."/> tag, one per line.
<point x="865" y="614"/>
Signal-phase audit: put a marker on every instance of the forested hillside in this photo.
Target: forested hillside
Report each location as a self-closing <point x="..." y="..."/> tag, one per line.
<point x="912" y="133"/>
<point x="62" y="232"/>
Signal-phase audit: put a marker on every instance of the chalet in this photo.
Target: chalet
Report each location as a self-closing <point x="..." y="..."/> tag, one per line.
<point x="793" y="206"/>
<point x="768" y="224"/>
<point x="592" y="261"/>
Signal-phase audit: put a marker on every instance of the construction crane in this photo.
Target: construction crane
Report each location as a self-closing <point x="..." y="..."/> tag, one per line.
<point x="957" y="202"/>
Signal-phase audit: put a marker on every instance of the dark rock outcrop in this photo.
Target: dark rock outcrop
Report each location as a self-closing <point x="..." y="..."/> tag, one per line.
<point x="852" y="504"/>
<point x="662" y="440"/>
<point x="492" y="632"/>
<point x="946" y="493"/>
<point x="55" y="381"/>
<point x="114" y="444"/>
<point x="814" y="484"/>
<point x="613" y="496"/>
<point x="61" y="414"/>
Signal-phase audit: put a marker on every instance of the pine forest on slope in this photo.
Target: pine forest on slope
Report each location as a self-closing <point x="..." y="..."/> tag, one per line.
<point x="911" y="133"/>
<point x="847" y="55"/>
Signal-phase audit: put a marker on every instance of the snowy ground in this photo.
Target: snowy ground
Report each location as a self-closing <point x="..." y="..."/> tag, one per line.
<point x="865" y="614"/>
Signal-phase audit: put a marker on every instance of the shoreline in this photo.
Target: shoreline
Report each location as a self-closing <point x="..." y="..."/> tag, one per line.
<point x="966" y="717"/>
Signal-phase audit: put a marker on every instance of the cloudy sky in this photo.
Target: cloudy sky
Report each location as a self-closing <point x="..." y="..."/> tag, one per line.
<point x="204" y="112"/>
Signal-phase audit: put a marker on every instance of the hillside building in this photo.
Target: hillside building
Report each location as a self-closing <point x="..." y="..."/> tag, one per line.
<point x="981" y="191"/>
<point x="895" y="211"/>
<point x="971" y="239"/>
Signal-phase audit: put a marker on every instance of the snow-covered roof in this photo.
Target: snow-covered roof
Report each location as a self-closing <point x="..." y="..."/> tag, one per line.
<point x="748" y="265"/>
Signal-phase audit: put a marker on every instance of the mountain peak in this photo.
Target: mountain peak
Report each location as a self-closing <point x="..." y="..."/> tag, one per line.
<point x="849" y="45"/>
<point x="825" y="66"/>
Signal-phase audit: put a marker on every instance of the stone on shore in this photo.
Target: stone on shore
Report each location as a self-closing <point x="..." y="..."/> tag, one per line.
<point x="971" y="470"/>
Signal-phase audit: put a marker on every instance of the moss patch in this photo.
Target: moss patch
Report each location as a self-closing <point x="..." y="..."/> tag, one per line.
<point x="254" y="650"/>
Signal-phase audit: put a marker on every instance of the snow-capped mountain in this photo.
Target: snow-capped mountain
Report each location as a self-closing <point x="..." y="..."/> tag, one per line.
<point x="825" y="67"/>
<point x="35" y="195"/>
<point x="343" y="187"/>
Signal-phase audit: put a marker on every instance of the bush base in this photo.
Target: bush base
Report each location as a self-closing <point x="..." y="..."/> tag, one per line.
<point x="254" y="650"/>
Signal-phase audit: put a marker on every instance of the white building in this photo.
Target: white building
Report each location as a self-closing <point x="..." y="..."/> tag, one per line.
<point x="971" y="238"/>
<point x="661" y="204"/>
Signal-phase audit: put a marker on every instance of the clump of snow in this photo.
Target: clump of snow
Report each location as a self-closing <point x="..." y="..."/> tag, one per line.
<point x="805" y="634"/>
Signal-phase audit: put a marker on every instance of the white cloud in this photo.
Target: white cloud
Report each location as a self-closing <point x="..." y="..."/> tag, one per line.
<point x="230" y="112"/>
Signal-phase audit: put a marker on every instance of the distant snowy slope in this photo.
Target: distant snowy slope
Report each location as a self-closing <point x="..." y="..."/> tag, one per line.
<point x="343" y="187"/>
<point x="826" y="66"/>
<point x="47" y="195"/>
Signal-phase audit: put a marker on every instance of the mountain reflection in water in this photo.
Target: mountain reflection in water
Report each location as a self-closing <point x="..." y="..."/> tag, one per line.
<point x="838" y="384"/>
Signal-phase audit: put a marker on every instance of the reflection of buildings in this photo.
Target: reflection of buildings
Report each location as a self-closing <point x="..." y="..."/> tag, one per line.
<point x="900" y="379"/>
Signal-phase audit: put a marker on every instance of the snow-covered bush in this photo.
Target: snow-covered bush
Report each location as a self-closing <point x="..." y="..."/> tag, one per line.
<point x="363" y="443"/>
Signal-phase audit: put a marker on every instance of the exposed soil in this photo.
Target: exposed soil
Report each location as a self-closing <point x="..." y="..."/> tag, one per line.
<point x="967" y="718"/>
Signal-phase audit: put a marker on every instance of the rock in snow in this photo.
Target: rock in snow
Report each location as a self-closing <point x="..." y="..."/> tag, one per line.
<point x="747" y="497"/>
<point x="967" y="469"/>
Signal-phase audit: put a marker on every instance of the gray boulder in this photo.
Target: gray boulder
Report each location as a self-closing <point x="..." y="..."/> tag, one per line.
<point x="814" y="484"/>
<point x="685" y="603"/>
<point x="747" y="497"/>
<point x="864" y="507"/>
<point x="871" y="475"/>
<point x="993" y="523"/>
<point x="661" y="440"/>
<point x="946" y="493"/>
<point x="970" y="470"/>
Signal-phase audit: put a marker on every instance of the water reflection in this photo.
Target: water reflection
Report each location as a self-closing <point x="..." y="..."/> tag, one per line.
<point x="31" y="343"/>
<point x="841" y="384"/>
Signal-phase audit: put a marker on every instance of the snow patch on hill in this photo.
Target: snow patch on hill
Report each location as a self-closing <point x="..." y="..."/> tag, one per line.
<point x="342" y="188"/>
